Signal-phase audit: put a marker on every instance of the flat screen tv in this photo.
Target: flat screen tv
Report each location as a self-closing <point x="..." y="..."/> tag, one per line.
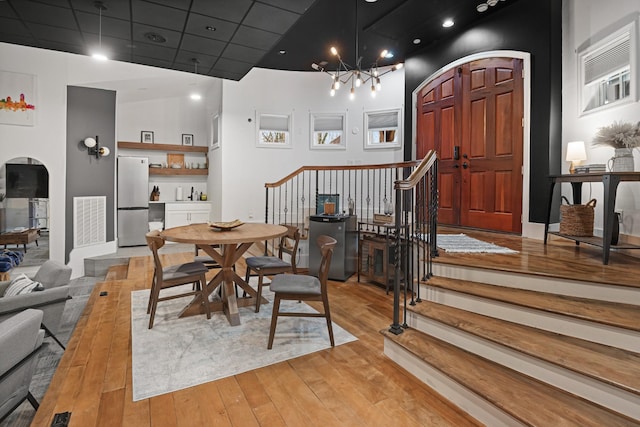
<point x="27" y="181"/>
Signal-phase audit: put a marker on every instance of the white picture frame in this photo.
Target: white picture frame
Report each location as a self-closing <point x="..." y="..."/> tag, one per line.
<point x="17" y="98"/>
<point x="383" y="129"/>
<point x="187" y="139"/>
<point x="328" y="131"/>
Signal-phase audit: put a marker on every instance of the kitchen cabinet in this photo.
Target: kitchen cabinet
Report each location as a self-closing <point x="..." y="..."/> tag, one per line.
<point x="185" y="213"/>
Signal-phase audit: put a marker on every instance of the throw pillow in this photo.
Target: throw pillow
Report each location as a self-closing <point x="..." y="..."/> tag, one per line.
<point x="22" y="285"/>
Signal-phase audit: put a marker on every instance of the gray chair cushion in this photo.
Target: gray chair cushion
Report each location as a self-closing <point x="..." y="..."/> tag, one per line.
<point x="296" y="284"/>
<point x="53" y="274"/>
<point x="182" y="270"/>
<point x="258" y="262"/>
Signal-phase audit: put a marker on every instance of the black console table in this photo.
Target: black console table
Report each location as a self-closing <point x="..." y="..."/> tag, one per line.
<point x="610" y="181"/>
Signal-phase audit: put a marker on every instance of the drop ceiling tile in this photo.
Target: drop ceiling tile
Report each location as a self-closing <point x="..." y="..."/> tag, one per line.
<point x="6" y="11"/>
<point x="89" y="24"/>
<point x="297" y="6"/>
<point x="139" y="31"/>
<point x="55" y="34"/>
<point x="158" y="16"/>
<point x="253" y="37"/>
<point x="178" y="4"/>
<point x="14" y="27"/>
<point x="64" y="47"/>
<point x="197" y="25"/>
<point x="243" y="53"/>
<point x="138" y="59"/>
<point x="270" y="18"/>
<point x="229" y="10"/>
<point x="114" y="8"/>
<point x="202" y="44"/>
<point x="226" y="64"/>
<point x="16" y="39"/>
<point x="154" y="51"/>
<point x="227" y="75"/>
<point x="204" y="61"/>
<point x="40" y="13"/>
<point x="110" y="45"/>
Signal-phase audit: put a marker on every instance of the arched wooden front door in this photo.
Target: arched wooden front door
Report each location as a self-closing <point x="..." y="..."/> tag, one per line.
<point x="472" y="116"/>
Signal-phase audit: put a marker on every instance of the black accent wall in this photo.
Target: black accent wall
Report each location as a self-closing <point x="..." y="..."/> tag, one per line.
<point x="533" y="26"/>
<point x="90" y="112"/>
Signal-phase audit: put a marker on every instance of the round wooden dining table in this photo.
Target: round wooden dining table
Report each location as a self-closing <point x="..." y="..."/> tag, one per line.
<point x="231" y="245"/>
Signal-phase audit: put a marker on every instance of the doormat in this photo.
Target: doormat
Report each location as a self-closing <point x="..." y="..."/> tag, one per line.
<point x="461" y="243"/>
<point x="179" y="353"/>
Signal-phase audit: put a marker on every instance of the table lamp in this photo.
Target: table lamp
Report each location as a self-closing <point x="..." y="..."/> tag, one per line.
<point x="576" y="153"/>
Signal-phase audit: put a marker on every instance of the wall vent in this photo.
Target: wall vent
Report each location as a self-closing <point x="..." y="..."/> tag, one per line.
<point x="89" y="221"/>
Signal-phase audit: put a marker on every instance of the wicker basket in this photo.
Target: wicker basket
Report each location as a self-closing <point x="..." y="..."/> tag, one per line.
<point x="577" y="220"/>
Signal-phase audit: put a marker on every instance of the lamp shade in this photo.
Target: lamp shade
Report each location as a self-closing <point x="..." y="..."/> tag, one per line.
<point x="89" y="142"/>
<point x="576" y="151"/>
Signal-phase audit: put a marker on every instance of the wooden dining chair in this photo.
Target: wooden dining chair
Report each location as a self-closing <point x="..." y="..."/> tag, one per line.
<point x="271" y="265"/>
<point x="174" y="275"/>
<point x="300" y="287"/>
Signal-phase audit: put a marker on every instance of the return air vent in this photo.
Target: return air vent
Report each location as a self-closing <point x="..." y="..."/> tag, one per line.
<point x="89" y="221"/>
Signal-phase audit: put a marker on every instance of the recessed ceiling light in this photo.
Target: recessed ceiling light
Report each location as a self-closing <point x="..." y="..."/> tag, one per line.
<point x="196" y="96"/>
<point x="210" y="28"/>
<point x="282" y="52"/>
<point x="371" y="1"/>
<point x="492" y="2"/>
<point x="482" y="7"/>
<point x="448" y="23"/>
<point x="417" y="41"/>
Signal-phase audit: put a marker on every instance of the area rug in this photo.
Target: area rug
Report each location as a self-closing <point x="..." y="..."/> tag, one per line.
<point x="179" y="353"/>
<point x="461" y="243"/>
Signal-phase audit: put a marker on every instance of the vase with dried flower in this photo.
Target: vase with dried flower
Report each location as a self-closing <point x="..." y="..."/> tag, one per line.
<point x="623" y="138"/>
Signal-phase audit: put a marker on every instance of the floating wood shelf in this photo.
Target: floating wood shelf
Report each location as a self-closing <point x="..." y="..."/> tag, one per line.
<point x="163" y="147"/>
<point x="172" y="171"/>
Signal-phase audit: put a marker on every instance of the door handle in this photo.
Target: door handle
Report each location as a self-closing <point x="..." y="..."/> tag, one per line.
<point x="465" y="165"/>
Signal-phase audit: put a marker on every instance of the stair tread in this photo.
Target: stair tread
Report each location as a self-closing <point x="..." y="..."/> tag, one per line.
<point x="625" y="316"/>
<point x="526" y="399"/>
<point x="117" y="272"/>
<point x="618" y="367"/>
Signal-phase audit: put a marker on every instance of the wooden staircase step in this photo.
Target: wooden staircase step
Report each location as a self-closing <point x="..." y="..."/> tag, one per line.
<point x="523" y="398"/>
<point x="617" y="367"/>
<point x="625" y="316"/>
<point x="117" y="272"/>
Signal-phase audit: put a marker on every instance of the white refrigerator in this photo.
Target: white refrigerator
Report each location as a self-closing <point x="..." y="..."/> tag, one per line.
<point x="133" y="200"/>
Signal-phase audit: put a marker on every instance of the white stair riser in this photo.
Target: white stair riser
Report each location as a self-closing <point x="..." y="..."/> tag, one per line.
<point x="465" y="399"/>
<point x="586" y="387"/>
<point x="553" y="285"/>
<point x="565" y="325"/>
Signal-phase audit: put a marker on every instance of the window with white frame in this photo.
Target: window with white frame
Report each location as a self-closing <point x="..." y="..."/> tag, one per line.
<point x="328" y="130"/>
<point x="274" y="130"/>
<point x="383" y="129"/>
<point x="607" y="70"/>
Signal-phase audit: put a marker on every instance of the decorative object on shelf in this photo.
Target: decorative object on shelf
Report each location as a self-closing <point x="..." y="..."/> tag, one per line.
<point x="226" y="226"/>
<point x="383" y="219"/>
<point x="576" y="153"/>
<point x="577" y="220"/>
<point x="155" y="194"/>
<point x="623" y="137"/>
<point x="94" y="149"/>
<point x="146" y="136"/>
<point x="355" y="75"/>
<point x="187" y="139"/>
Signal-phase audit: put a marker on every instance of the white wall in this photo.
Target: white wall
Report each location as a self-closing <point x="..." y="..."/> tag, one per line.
<point x="47" y="139"/>
<point x="246" y="168"/>
<point x="582" y="19"/>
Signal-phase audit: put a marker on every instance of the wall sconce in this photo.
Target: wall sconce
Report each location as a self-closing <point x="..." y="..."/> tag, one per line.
<point x="575" y="154"/>
<point x="94" y="149"/>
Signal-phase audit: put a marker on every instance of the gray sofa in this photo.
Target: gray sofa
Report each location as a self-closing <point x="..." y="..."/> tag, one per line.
<point x="20" y="338"/>
<point x="55" y="278"/>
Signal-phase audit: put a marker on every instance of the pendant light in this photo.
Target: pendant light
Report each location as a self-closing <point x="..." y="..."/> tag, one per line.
<point x="99" y="54"/>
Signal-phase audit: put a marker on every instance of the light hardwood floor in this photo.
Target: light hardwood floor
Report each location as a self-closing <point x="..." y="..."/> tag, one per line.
<point x="352" y="384"/>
